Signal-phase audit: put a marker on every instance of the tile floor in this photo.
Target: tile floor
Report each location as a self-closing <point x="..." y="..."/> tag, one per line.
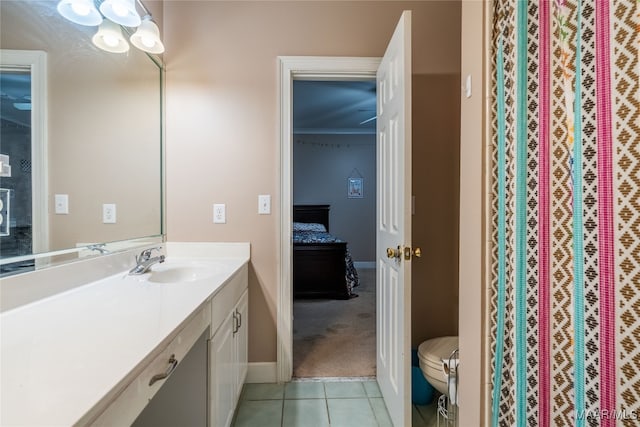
<point x="320" y="403"/>
<point x="312" y="403"/>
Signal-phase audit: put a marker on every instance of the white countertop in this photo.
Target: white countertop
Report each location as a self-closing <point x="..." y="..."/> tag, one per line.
<point x="62" y="355"/>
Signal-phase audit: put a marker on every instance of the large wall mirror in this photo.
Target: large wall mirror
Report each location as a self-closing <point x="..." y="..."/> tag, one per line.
<point x="81" y="141"/>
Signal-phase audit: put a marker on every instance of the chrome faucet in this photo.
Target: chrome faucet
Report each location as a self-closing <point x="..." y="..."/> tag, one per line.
<point x="144" y="261"/>
<point x="99" y="247"/>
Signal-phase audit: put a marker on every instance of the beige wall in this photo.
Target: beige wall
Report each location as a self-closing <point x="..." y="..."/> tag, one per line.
<point x="105" y="149"/>
<point x="436" y="179"/>
<point x="222" y="112"/>
<point x="472" y="387"/>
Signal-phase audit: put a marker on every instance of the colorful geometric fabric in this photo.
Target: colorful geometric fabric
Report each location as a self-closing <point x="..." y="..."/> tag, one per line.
<point x="532" y="214"/>
<point x="626" y="133"/>
<point x="562" y="330"/>
<point x="564" y="167"/>
<point x="588" y="119"/>
<point x="544" y="158"/>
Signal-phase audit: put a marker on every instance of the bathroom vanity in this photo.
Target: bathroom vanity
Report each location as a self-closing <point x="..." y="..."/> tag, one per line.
<point x="98" y="353"/>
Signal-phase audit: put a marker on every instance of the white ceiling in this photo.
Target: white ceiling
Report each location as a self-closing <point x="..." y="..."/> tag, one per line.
<point x="334" y="107"/>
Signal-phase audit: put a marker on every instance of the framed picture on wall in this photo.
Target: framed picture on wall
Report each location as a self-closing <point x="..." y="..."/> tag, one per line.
<point x="354" y="188"/>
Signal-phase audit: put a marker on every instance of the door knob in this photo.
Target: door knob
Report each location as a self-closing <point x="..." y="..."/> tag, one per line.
<point x="408" y="253"/>
<point x="393" y="253"/>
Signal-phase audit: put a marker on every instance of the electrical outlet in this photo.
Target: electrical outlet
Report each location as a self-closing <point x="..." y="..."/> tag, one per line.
<point x="61" y="204"/>
<point x="264" y="204"/>
<point x="219" y="213"/>
<point x="109" y="213"/>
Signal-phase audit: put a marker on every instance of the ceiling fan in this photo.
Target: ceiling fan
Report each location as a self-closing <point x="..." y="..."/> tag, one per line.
<point x="370" y="119"/>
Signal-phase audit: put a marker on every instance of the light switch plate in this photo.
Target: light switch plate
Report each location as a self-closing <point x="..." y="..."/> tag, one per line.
<point x="467" y="86"/>
<point x="219" y="213"/>
<point x="62" y="204"/>
<point x="264" y="204"/>
<point x="109" y="213"/>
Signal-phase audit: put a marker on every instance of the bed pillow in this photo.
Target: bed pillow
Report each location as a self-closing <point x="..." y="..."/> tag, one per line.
<point x="308" y="226"/>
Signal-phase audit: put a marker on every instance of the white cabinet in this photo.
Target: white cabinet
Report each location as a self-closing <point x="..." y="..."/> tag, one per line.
<point x="228" y="349"/>
<point x="182" y="399"/>
<point x="226" y="315"/>
<point x="242" y="341"/>
<point x="221" y="365"/>
<point x="142" y="386"/>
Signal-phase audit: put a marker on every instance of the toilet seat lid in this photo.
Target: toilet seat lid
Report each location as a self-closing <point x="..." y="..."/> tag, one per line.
<point x="437" y="349"/>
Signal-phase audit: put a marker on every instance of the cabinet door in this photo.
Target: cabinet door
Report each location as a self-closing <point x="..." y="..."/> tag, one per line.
<point x="223" y="374"/>
<point x="242" y="341"/>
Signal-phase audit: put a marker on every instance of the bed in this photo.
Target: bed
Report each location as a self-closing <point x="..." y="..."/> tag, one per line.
<point x="322" y="264"/>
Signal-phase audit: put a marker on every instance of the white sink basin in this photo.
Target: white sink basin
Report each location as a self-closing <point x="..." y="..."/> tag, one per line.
<point x="184" y="271"/>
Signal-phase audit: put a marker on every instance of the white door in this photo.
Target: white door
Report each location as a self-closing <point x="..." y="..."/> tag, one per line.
<point x="222" y="390"/>
<point x="393" y="221"/>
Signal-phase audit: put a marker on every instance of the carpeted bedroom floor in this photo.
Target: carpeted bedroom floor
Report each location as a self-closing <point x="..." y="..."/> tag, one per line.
<point x="337" y="338"/>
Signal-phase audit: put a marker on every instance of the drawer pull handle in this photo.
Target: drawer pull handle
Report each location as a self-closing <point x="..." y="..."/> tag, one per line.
<point x="173" y="362"/>
<point x="239" y="319"/>
<point x="235" y="323"/>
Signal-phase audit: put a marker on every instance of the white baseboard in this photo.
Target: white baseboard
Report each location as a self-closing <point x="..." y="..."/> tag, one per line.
<point x="364" y="264"/>
<point x="262" y="372"/>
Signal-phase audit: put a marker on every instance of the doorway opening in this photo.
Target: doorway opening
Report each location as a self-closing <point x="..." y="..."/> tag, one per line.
<point x="290" y="69"/>
<point x="15" y="157"/>
<point x="393" y="78"/>
<point x="334" y="232"/>
<point x="23" y="162"/>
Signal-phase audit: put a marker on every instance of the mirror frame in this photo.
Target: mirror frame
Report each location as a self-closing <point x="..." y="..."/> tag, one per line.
<point x="38" y="63"/>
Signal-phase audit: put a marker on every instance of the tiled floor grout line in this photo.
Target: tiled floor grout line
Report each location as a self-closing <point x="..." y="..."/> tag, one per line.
<point x="282" y="409"/>
<point x="372" y="409"/>
<point x="326" y="401"/>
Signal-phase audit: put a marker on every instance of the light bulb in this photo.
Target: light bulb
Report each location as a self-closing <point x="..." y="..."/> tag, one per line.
<point x="81" y="12"/>
<point x="110" y="40"/>
<point x="147" y="37"/>
<point x="80" y="9"/>
<point x="121" y="12"/>
<point x="119" y="9"/>
<point x="148" y="41"/>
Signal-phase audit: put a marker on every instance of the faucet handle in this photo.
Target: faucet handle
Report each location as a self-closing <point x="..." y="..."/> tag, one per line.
<point x="99" y="247"/>
<point x="145" y="255"/>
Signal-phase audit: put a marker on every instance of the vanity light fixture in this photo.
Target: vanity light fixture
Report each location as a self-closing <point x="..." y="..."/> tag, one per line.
<point x="109" y="37"/>
<point x="83" y="12"/>
<point x="121" y="12"/>
<point x="147" y="36"/>
<point x="116" y="13"/>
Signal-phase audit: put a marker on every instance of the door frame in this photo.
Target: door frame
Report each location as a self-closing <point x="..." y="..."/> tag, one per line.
<point x="36" y="62"/>
<point x="292" y="68"/>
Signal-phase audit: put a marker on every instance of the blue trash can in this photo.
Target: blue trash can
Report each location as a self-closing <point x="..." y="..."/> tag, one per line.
<point x="421" y="390"/>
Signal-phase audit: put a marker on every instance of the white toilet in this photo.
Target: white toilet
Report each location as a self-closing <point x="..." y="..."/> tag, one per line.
<point x="433" y="354"/>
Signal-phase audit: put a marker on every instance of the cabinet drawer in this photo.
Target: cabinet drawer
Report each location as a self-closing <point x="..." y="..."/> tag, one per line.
<point x="227" y="298"/>
<point x="136" y="395"/>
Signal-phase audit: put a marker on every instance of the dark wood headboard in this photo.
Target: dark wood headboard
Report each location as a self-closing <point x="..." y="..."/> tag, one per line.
<point x="318" y="214"/>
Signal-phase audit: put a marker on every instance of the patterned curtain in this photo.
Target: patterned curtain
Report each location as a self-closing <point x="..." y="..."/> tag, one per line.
<point x="565" y="213"/>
